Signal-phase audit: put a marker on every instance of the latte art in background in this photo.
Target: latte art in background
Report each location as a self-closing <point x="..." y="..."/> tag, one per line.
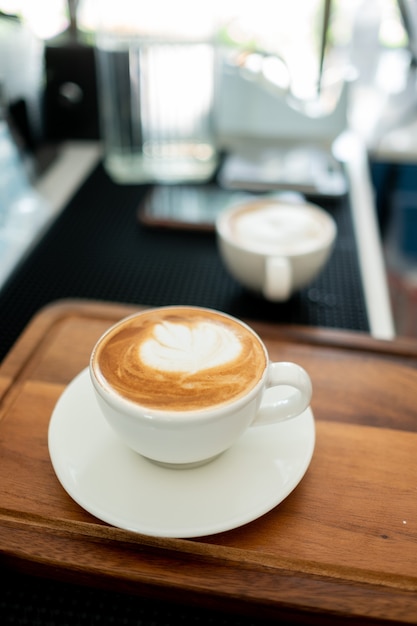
<point x="180" y="359"/>
<point x="278" y="229"/>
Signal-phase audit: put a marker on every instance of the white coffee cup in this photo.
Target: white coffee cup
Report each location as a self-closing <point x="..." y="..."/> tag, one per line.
<point x="274" y="247"/>
<point x="180" y="384"/>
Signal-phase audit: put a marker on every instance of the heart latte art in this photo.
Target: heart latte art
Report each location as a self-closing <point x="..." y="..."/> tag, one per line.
<point x="180" y="359"/>
<point x="176" y="347"/>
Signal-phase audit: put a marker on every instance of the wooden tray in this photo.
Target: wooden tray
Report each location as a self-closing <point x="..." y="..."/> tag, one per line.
<point x="342" y="545"/>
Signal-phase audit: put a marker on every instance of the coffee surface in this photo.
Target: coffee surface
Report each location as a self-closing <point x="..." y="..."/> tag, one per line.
<point x="278" y="228"/>
<point x="180" y="359"/>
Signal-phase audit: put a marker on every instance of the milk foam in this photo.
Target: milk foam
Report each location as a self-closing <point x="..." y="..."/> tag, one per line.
<point x="180" y="359"/>
<point x="272" y="229"/>
<point x="176" y="347"/>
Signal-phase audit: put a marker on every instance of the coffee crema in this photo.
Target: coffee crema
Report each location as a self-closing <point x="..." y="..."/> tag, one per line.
<point x="180" y="359"/>
<point x="271" y="227"/>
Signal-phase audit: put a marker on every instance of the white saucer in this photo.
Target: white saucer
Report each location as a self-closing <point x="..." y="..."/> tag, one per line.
<point x="123" y="489"/>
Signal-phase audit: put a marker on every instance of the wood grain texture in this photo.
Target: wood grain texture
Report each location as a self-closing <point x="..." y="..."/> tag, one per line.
<point x="342" y="545"/>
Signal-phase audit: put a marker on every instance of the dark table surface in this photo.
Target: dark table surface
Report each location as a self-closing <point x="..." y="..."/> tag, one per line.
<point x="97" y="249"/>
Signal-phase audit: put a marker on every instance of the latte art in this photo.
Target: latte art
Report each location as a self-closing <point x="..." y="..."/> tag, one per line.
<point x="182" y="348"/>
<point x="180" y="359"/>
<point x="278" y="228"/>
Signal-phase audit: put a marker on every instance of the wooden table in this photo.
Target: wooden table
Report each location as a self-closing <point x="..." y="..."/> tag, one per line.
<point x="342" y="545"/>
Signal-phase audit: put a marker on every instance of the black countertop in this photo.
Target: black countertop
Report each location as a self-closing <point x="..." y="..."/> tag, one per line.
<point x="97" y="249"/>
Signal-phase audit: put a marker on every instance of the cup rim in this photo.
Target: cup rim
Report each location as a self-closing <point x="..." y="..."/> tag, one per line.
<point x="120" y="403"/>
<point x="223" y="231"/>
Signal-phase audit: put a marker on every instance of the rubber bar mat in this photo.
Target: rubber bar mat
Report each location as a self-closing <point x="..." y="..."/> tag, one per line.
<point x="97" y="249"/>
<point x="29" y="601"/>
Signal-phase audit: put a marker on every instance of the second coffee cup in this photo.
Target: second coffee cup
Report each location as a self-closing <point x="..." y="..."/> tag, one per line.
<point x="274" y="248"/>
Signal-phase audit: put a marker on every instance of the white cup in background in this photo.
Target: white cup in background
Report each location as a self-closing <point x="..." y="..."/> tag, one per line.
<point x="274" y="247"/>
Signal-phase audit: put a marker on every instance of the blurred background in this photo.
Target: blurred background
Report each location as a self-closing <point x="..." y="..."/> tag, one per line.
<point x="292" y="78"/>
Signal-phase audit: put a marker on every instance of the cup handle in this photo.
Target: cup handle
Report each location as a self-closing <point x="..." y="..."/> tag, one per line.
<point x="289" y="405"/>
<point x="278" y="278"/>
